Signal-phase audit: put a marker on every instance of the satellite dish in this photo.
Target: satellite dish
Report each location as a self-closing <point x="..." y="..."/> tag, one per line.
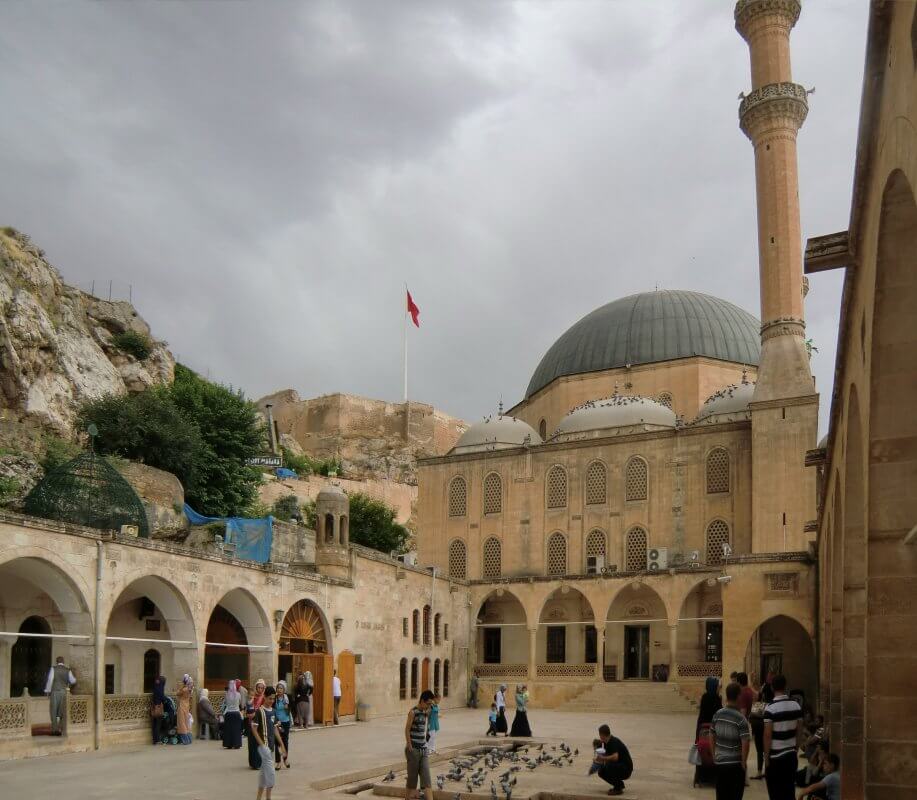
<point x="92" y="430"/>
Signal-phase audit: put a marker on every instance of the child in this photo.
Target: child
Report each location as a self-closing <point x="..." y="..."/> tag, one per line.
<point x="492" y="719"/>
<point x="433" y="724"/>
<point x="599" y="751"/>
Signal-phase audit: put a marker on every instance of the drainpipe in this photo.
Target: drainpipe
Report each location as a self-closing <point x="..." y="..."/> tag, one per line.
<point x="432" y="615"/>
<point x="97" y="694"/>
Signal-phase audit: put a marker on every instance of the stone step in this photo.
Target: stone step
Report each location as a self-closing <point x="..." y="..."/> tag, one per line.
<point x="633" y="697"/>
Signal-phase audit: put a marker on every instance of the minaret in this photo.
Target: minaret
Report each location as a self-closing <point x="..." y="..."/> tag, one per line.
<point x="785" y="405"/>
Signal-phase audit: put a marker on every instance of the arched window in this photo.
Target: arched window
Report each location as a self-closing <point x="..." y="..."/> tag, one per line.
<point x="595" y="550"/>
<point x="446" y="678"/>
<point x="415" y="618"/>
<point x="436" y="629"/>
<point x="557" y="554"/>
<point x="458" y="559"/>
<point x="413" y="677"/>
<point x="556" y="488"/>
<point x="635" y="479"/>
<point x="596" y="482"/>
<point x="664" y="399"/>
<point x="151" y="668"/>
<point x="717" y="471"/>
<point x="458" y="497"/>
<point x="427" y="624"/>
<point x="491" y="566"/>
<point x="543" y="429"/>
<point x="635" y="552"/>
<point x="493" y="494"/>
<point x="405" y="627"/>
<point x="329" y="528"/>
<point x="436" y="666"/>
<point x="403" y="679"/>
<point x="717" y="536"/>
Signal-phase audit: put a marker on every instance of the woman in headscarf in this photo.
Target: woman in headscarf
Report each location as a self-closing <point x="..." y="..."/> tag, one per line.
<point x="710" y="703"/>
<point x="254" y="757"/>
<point x="282" y="715"/>
<point x="157" y="708"/>
<point x="232" y="716"/>
<point x="310" y="711"/>
<point x="207" y="716"/>
<point x="301" y="700"/>
<point x="521" y="719"/>
<point x="183" y="723"/>
<point x="500" y="700"/>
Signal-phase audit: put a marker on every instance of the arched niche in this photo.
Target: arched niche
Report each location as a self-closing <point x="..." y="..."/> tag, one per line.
<point x="566" y="629"/>
<point x="238" y="642"/>
<point x="501" y="630"/>
<point x="636" y="632"/>
<point x="780" y="645"/>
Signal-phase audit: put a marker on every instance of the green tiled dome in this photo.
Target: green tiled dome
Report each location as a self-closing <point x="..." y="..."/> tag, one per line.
<point x="650" y="327"/>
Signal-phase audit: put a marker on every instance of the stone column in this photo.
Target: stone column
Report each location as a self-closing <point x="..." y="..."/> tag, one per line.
<point x="533" y="642"/>
<point x="600" y="651"/>
<point x="673" y="652"/>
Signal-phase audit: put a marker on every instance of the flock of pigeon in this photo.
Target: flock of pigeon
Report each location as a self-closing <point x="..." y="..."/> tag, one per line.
<point x="474" y="770"/>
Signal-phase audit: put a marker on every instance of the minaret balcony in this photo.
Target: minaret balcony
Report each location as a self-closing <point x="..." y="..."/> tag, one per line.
<point x="785" y="104"/>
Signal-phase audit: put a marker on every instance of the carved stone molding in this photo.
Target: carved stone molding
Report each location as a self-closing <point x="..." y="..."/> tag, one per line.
<point x="784" y="100"/>
<point x="748" y="10"/>
<point x="783" y="326"/>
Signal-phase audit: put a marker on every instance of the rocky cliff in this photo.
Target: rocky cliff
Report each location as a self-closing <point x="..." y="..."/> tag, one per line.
<point x="60" y="346"/>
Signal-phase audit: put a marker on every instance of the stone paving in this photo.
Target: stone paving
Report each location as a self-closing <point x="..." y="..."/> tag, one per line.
<point x="325" y="761"/>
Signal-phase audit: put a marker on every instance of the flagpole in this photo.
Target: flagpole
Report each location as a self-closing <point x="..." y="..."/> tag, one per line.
<point x="404" y="339"/>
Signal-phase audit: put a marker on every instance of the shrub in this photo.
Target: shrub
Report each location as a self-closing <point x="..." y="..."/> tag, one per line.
<point x="300" y="464"/>
<point x="133" y="343"/>
<point x="57" y="452"/>
<point x="286" y="508"/>
<point x="9" y="489"/>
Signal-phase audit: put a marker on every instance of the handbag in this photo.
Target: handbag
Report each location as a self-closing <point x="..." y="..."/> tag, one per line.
<point x="156" y="710"/>
<point x="694" y="757"/>
<point x="757" y="709"/>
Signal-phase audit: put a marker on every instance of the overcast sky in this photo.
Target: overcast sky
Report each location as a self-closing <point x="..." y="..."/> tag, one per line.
<point x="268" y="176"/>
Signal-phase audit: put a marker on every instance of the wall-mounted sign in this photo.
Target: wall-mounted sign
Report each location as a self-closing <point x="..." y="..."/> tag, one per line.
<point x="265" y="461"/>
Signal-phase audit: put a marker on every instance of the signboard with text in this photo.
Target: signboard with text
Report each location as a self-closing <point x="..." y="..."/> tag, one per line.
<point x="265" y="461"/>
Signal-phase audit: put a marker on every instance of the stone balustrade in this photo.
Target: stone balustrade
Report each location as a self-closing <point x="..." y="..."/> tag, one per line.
<point x="501" y="670"/>
<point x="566" y="671"/>
<point x="14" y="718"/>
<point x="700" y="669"/>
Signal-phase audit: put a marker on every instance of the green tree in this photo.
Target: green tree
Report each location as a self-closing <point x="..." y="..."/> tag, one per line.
<point x="372" y="524"/>
<point x="286" y="507"/>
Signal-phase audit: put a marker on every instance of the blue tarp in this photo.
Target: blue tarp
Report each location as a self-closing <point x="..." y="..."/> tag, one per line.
<point x="283" y="472"/>
<point x="252" y="537"/>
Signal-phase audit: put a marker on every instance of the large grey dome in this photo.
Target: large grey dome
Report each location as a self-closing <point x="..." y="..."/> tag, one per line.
<point x="650" y="327"/>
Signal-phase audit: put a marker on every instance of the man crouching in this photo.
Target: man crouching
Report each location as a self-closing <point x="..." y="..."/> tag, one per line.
<point x="616" y="764"/>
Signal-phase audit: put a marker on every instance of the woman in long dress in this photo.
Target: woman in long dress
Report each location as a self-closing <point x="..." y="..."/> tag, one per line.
<point x="254" y="757"/>
<point x="710" y="703"/>
<point x="207" y="716"/>
<point x="183" y="723"/>
<point x="232" y="716"/>
<point x="500" y="700"/>
<point x="521" y="719"/>
<point x="301" y="700"/>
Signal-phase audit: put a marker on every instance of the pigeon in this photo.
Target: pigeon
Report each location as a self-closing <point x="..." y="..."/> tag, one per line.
<point x="576" y="752"/>
<point x="532" y="766"/>
<point x="389" y="777"/>
<point x="493" y="791"/>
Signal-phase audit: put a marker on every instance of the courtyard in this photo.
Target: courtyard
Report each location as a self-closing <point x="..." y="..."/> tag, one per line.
<point x="335" y="761"/>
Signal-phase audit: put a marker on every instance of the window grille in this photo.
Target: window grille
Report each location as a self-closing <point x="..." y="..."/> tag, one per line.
<point x="403" y="679"/>
<point x="457" y="559"/>
<point x="413" y="677"/>
<point x="635" y="479"/>
<point x="595" y="544"/>
<point x="446" y="631"/>
<point x="427" y="624"/>
<point x="436" y="629"/>
<point x="595" y="483"/>
<point x="636" y="550"/>
<point x="665" y="399"/>
<point x="446" y="678"/>
<point x="493" y="494"/>
<point x="416" y="627"/>
<point x="458" y="497"/>
<point x="717" y="536"/>
<point x="492" y="567"/>
<point x="436" y="665"/>
<point x="557" y="554"/>
<point x="717" y="471"/>
<point x="557" y="488"/>
<point x="404" y="626"/>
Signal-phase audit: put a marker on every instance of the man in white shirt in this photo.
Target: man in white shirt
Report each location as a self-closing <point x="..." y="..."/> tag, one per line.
<point x="60" y="679"/>
<point x="336" y="692"/>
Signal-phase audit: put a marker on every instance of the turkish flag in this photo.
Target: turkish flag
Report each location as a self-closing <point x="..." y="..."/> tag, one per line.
<point x="413" y="310"/>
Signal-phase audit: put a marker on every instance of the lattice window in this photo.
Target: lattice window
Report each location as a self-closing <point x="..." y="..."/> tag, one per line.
<point x="458" y="497"/>
<point x="458" y="559"/>
<point x="446" y="678"/>
<point x="436" y="667"/>
<point x="665" y="399"/>
<point x="404" y="627"/>
<point x="415" y="619"/>
<point x="436" y="629"/>
<point x="595" y="545"/>
<point x="636" y="479"/>
<point x="596" y="481"/>
<point x="556" y="487"/>
<point x="493" y="494"/>
<point x="717" y="471"/>
<point x="717" y="536"/>
<point x="427" y="624"/>
<point x="491" y="566"/>
<point x="635" y="554"/>
<point x="446" y="631"/>
<point x="403" y="679"/>
<point x="413" y="677"/>
<point x="557" y="554"/>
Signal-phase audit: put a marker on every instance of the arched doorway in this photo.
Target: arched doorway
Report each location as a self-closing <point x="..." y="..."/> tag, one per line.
<point x="225" y="651"/>
<point x="699" y="635"/>
<point x="566" y="644"/>
<point x="304" y="647"/>
<point x="30" y="659"/>
<point x="636" y="634"/>
<point x="781" y="646"/>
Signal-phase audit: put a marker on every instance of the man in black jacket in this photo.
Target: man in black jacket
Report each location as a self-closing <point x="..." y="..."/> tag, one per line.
<point x="616" y="764"/>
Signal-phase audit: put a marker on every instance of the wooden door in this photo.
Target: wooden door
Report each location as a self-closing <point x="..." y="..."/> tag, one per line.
<point x="321" y="665"/>
<point x="425" y="675"/>
<point x="347" y="673"/>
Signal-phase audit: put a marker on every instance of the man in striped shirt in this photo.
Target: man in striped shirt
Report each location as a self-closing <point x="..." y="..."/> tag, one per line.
<point x="783" y="734"/>
<point x="416" y="735"/>
<point x="730" y="737"/>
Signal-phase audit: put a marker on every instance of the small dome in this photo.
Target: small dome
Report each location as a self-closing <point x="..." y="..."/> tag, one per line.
<point x="496" y="433"/>
<point x="331" y="491"/>
<point x="730" y="401"/>
<point x="617" y="412"/>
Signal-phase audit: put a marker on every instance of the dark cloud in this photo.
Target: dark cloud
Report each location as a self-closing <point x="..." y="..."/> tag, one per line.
<point x="267" y="176"/>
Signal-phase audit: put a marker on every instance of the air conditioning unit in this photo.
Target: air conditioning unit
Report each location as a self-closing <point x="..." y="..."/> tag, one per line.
<point x="657" y="558"/>
<point x="595" y="565"/>
<point x="130" y="530"/>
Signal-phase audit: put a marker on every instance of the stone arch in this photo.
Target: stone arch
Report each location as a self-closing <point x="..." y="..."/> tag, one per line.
<point x="306" y="621"/>
<point x="543" y="429"/>
<point x="566" y="628"/>
<point x="699" y="634"/>
<point x="636" y="610"/>
<point x="501" y="629"/>
<point x="781" y="643"/>
<point x="30" y="657"/>
<point x="238" y="619"/>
